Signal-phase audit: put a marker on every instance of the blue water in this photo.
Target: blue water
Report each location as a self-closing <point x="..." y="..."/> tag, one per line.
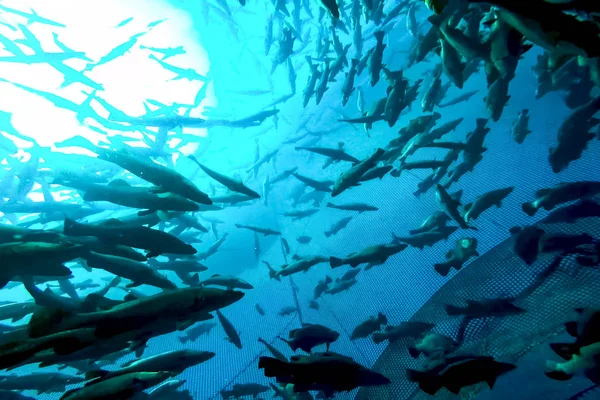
<point x="232" y="50"/>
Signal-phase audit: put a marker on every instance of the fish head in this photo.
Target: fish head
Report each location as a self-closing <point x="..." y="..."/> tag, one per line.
<point x="210" y="299"/>
<point x="333" y="335"/>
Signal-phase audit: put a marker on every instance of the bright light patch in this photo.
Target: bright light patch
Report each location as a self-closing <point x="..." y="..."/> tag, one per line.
<point x="128" y="81"/>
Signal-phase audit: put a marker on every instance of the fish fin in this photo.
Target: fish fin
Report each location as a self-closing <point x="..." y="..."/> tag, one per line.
<point x="529" y="209"/>
<point x="94" y="374"/>
<point x="565" y="350"/>
<point x="70" y="392"/>
<point x="430" y="384"/>
<point x="379" y="337"/>
<point x="453" y="387"/>
<point x="43" y="320"/>
<point x="515" y="229"/>
<point x="453" y="310"/>
<point x="553" y="372"/>
<point x="143" y="213"/>
<point x="119" y="183"/>
<point x="571" y="328"/>
<point x="130" y="297"/>
<point x="414" y="353"/>
<point x="442" y="269"/>
<point x="592" y="374"/>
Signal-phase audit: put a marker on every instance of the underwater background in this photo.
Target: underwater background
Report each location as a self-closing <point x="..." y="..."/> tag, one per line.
<point x="226" y="47"/>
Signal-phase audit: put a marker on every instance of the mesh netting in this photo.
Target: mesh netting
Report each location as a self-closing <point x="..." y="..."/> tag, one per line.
<point x="500" y="273"/>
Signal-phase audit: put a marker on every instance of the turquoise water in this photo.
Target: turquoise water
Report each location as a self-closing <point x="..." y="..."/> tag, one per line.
<point x="227" y="51"/>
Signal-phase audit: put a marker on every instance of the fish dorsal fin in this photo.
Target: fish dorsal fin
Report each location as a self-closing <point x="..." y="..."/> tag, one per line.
<point x="119" y="183"/>
<point x="130" y="297"/>
<point x="215" y="276"/>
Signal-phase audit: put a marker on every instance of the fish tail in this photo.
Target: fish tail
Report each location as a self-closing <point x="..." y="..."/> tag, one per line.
<point x="453" y="310"/>
<point x="427" y="383"/>
<point x="529" y="209"/>
<point x="565" y="350"/>
<point x="553" y="371"/>
<point x="379" y="337"/>
<point x="442" y="269"/>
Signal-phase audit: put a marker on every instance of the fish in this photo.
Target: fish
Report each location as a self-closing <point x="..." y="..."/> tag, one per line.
<point x="114" y="232"/>
<point x="227" y="281"/>
<point x="240" y="390"/>
<point x="263" y="231"/>
<point x="484" y="202"/>
<point x="375" y="59"/>
<point x="156" y="174"/>
<point x="458" y="372"/>
<point x="359" y="207"/>
<point x="520" y="127"/>
<point x="323" y="371"/>
<point x="193" y="333"/>
<point x="409" y="329"/>
<point x="174" y="362"/>
<point x="139" y="273"/>
<point x="433" y="345"/>
<point x="427" y="238"/>
<point x="119" y="386"/>
<point x="450" y="207"/>
<point x="288" y="311"/>
<point x="301" y="264"/>
<point x="369" y="326"/>
<point x="232" y="334"/>
<point x="309" y="336"/>
<point x="340" y="286"/>
<point x="569" y="214"/>
<point x="501" y="307"/>
<point x="352" y="176"/>
<point x="463" y="250"/>
<point x="230" y="183"/>
<point x="372" y="256"/>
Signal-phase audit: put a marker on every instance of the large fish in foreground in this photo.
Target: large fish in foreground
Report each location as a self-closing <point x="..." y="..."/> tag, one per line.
<point x="166" y="306"/>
